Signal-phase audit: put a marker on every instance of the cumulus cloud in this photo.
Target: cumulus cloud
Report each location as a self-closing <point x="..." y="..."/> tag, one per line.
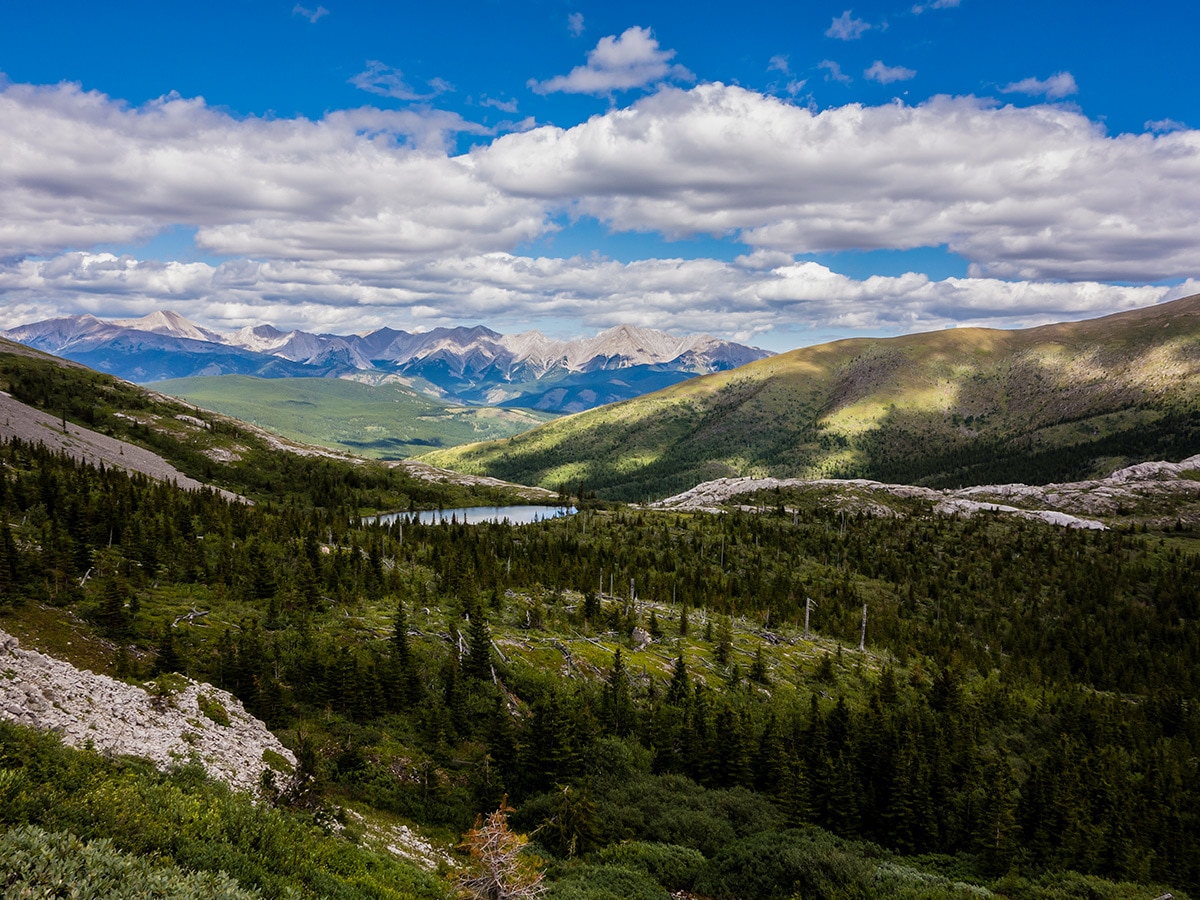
<point x="1057" y="86"/>
<point x="575" y="23"/>
<point x="742" y="299"/>
<point x="1033" y="193"/>
<point x="887" y="74"/>
<point x="311" y="14"/>
<point x="79" y="169"/>
<point x="386" y="81"/>
<point x="365" y="217"/>
<point x="632" y="60"/>
<point x="847" y="28"/>
<point x="833" y="72"/>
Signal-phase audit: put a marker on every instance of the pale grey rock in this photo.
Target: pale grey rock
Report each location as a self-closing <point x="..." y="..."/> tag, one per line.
<point x="119" y="719"/>
<point x="1070" y="505"/>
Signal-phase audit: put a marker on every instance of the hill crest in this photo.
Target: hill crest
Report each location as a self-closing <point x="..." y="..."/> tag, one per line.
<point x="948" y="408"/>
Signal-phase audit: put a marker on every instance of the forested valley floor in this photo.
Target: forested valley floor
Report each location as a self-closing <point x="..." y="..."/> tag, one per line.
<point x="637" y="686"/>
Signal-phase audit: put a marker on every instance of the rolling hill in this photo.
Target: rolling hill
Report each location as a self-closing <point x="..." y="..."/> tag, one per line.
<point x="944" y="409"/>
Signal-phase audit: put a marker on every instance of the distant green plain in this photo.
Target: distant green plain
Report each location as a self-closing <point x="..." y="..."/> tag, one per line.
<point x="386" y="421"/>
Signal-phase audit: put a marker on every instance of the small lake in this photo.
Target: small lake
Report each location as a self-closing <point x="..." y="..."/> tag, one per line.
<point x="474" y="515"/>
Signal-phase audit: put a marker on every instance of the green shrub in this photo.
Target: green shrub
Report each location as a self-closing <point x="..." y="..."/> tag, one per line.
<point x="213" y="709"/>
<point x="672" y="866"/>
<point x="592" y="882"/>
<point x="36" y="863"/>
<point x="770" y="865"/>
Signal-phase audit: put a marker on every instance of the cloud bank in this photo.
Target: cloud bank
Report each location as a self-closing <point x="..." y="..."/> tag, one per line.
<point x="368" y="217"/>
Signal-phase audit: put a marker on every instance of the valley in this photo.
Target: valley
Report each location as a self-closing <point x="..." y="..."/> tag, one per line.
<point x="386" y="420"/>
<point x="757" y="688"/>
<point x="472" y="366"/>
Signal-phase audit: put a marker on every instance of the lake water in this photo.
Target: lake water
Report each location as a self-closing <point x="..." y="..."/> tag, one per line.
<point x="474" y="515"/>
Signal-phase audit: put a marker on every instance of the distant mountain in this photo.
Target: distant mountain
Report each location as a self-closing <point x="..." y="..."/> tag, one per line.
<point x="472" y="365"/>
<point x="944" y="409"/>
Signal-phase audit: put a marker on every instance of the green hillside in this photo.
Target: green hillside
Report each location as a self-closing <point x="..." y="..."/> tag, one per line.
<point x="964" y="406"/>
<point x="380" y="421"/>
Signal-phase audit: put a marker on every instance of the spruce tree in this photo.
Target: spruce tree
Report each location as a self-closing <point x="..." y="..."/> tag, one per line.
<point x="478" y="661"/>
<point x="724" y="641"/>
<point x="679" y="689"/>
<point x="618" y="704"/>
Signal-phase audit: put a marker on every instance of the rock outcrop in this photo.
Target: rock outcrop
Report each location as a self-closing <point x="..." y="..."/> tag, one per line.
<point x="173" y="726"/>
<point x="1154" y="486"/>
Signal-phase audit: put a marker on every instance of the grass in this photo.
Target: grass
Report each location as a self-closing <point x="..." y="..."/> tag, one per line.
<point x="377" y="421"/>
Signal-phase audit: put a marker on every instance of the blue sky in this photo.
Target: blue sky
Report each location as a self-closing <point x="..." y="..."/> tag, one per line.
<point x="777" y="175"/>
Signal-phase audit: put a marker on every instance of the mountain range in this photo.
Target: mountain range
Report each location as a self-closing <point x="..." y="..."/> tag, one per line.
<point x="944" y="409"/>
<point x="465" y="365"/>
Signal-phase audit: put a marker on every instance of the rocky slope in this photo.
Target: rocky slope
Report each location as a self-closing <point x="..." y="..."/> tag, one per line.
<point x="195" y="721"/>
<point x="18" y="420"/>
<point x="1158" y="493"/>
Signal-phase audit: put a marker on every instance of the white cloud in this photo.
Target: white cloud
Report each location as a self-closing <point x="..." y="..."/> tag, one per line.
<point x="778" y="63"/>
<point x="364" y="218"/>
<point x="833" y="72"/>
<point x="575" y="23"/>
<point x="618" y="63"/>
<point x="386" y="81"/>
<point x="1057" y="86"/>
<point x="508" y="106"/>
<point x="79" y="169"/>
<point x="1038" y="193"/>
<point x="311" y="14"/>
<point x="748" y="297"/>
<point x="1162" y="126"/>
<point x="936" y="4"/>
<point x="887" y="74"/>
<point x="847" y="28"/>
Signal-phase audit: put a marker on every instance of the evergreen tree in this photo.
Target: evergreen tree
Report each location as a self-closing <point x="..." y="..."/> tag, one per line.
<point x="724" y="641"/>
<point x="478" y="661"/>
<point x="618" y="711"/>
<point x="408" y="685"/>
<point x="166" y="657"/>
<point x="679" y="690"/>
<point x="758" y="668"/>
<point x="653" y="627"/>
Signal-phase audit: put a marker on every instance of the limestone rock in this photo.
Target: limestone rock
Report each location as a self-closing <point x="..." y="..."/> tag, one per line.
<point x="117" y="719"/>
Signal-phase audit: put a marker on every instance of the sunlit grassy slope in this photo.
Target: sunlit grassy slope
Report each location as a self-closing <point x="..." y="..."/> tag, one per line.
<point x="386" y="420"/>
<point x="944" y="408"/>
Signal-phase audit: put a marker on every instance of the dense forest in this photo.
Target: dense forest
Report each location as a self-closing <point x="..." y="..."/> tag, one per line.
<point x="666" y="702"/>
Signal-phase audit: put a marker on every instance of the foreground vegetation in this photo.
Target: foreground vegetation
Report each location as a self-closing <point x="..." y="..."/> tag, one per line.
<point x="1024" y="706"/>
<point x="945" y="409"/>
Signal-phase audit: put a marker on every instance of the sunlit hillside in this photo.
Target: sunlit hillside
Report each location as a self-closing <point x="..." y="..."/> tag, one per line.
<point x="945" y="408"/>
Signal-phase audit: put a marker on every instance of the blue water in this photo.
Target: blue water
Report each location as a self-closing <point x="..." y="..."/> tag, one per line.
<point x="474" y="515"/>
